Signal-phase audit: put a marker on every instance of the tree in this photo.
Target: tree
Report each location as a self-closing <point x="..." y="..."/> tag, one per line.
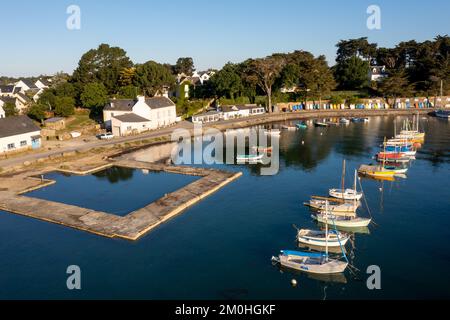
<point x="37" y="111"/>
<point x="65" y="106"/>
<point x="103" y="65"/>
<point x="152" y="77"/>
<point x="10" y="109"/>
<point x="94" y="96"/>
<point x="395" y="85"/>
<point x="352" y="73"/>
<point x="184" y="65"/>
<point x="126" y="76"/>
<point x="227" y="82"/>
<point x="266" y="71"/>
<point x="47" y="98"/>
<point x="65" y="89"/>
<point x="128" y="92"/>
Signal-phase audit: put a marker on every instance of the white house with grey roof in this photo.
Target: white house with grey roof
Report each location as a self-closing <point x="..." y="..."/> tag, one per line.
<point x="127" y="116"/>
<point x="2" y="111"/>
<point x="18" y="133"/>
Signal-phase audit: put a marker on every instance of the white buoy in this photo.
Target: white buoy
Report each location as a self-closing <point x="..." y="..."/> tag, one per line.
<point x="303" y="142"/>
<point x="294" y="282"/>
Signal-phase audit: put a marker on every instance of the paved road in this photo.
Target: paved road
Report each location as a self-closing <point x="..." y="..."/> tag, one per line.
<point x="79" y="144"/>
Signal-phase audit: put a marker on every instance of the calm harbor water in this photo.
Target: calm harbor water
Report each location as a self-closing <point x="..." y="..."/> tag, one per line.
<point x="221" y="247"/>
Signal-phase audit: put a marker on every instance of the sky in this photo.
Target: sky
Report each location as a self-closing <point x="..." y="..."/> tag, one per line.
<point x="36" y="40"/>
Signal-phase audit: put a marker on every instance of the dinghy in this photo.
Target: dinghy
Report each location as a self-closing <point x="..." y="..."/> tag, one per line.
<point x="302" y="125"/>
<point x="245" y="158"/>
<point x="272" y="132"/>
<point x="441" y="113"/>
<point x="289" y="128"/>
<point x="320" y="124"/>
<point x="317" y="238"/>
<point x="344" y="121"/>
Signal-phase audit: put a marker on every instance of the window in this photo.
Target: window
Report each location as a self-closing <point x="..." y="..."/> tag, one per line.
<point x="23" y="143"/>
<point x="11" y="146"/>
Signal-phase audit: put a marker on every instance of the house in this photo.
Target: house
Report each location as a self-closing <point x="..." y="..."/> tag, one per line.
<point x="7" y="90"/>
<point x="19" y="102"/>
<point x="55" y="123"/>
<point x="19" y="133"/>
<point x="42" y="83"/>
<point x="210" y="116"/>
<point x="155" y="112"/>
<point x="128" y="124"/>
<point x="377" y="73"/>
<point x="205" y="76"/>
<point x="239" y="111"/>
<point x="26" y="85"/>
<point x="2" y="111"/>
<point x="228" y="112"/>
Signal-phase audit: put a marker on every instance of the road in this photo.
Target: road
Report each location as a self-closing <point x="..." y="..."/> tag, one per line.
<point x="79" y="144"/>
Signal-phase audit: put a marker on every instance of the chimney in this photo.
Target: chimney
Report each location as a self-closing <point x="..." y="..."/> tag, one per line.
<point x="141" y="98"/>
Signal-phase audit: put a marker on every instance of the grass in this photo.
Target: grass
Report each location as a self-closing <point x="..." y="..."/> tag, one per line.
<point x="79" y="121"/>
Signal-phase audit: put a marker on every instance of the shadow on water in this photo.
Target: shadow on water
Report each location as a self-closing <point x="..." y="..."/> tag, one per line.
<point x="115" y="174"/>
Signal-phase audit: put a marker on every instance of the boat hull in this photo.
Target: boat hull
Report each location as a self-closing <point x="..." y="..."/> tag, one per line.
<point x="348" y="194"/>
<point x="312" y="265"/>
<point x="342" y="221"/>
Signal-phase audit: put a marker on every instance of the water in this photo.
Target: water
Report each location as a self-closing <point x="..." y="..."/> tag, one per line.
<point x="115" y="190"/>
<point x="221" y="247"/>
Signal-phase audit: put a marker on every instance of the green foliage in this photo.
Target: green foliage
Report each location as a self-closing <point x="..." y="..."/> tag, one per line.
<point x="227" y="82"/>
<point x="189" y="108"/>
<point x="152" y="77"/>
<point x="64" y="106"/>
<point x="102" y="65"/>
<point x="65" y="89"/>
<point x="47" y="98"/>
<point x="128" y="92"/>
<point x="37" y="111"/>
<point x="184" y="65"/>
<point x="94" y="96"/>
<point x="10" y="109"/>
<point x="352" y="73"/>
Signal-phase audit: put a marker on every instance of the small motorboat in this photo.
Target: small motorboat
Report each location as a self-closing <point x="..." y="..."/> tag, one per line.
<point x="249" y="158"/>
<point x="441" y="113"/>
<point x="302" y="125"/>
<point x="320" y="124"/>
<point x="317" y="238"/>
<point x="289" y="128"/>
<point x="409" y="151"/>
<point x="360" y="120"/>
<point x="262" y="149"/>
<point x="272" y="132"/>
<point x="344" y="121"/>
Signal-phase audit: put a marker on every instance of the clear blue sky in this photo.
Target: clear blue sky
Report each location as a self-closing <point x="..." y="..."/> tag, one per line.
<point x="35" y="39"/>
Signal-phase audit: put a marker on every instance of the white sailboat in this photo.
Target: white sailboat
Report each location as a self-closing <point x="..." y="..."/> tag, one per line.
<point x="346" y="194"/>
<point x="310" y="262"/>
<point x="319" y="238"/>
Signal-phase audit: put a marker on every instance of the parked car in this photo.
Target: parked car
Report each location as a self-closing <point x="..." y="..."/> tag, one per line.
<point x="105" y="136"/>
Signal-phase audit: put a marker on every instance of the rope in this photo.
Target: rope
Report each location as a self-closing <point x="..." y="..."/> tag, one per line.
<point x="365" y="201"/>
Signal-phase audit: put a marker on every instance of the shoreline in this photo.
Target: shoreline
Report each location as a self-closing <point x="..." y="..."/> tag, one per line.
<point x="163" y="135"/>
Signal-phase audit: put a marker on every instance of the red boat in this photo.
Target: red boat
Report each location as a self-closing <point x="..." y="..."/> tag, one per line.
<point x="392" y="156"/>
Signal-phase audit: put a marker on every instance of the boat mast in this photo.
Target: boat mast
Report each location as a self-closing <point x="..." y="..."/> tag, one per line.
<point x="354" y="199"/>
<point x="326" y="230"/>
<point x="343" y="179"/>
